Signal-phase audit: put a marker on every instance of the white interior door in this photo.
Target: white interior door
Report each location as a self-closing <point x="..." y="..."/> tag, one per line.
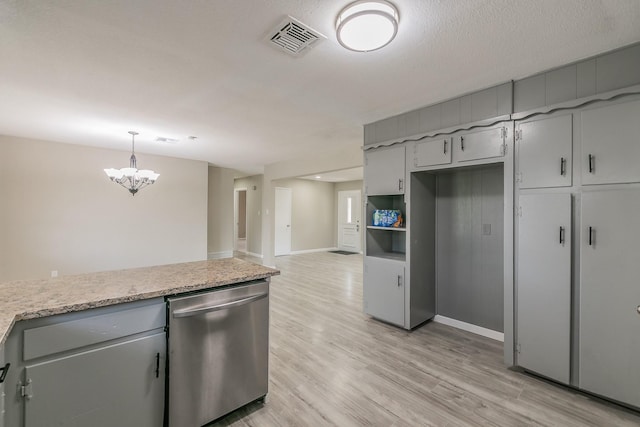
<point x="349" y="214"/>
<point x="283" y="221"/>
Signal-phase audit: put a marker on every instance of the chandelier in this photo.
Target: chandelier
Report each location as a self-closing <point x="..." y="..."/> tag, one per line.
<point x="131" y="178"/>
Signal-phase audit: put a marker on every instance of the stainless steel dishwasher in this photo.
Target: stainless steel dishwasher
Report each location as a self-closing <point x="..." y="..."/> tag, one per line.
<point x="218" y="352"/>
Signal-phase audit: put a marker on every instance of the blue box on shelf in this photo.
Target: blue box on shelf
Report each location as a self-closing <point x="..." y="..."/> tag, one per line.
<point x="386" y="217"/>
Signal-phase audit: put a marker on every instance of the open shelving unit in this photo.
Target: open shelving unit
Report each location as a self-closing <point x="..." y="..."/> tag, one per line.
<point x="386" y="242"/>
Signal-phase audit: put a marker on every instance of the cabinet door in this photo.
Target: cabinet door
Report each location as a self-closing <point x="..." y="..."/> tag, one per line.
<point x="117" y="385"/>
<point x="544" y="285"/>
<point x="611" y="144"/>
<point x="432" y="152"/>
<point x="544" y="152"/>
<point x="482" y="144"/>
<point x="610" y="295"/>
<point x="384" y="289"/>
<point x="384" y="170"/>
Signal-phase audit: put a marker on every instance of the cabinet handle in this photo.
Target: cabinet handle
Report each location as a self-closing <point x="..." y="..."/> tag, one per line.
<point x="561" y="235"/>
<point x="591" y="236"/>
<point x="638" y="309"/>
<point x="444" y="145"/>
<point x="5" y="369"/>
<point x="563" y="164"/>
<point x="399" y="280"/>
<point x="157" y="365"/>
<point x="400" y="184"/>
<point x="462" y="143"/>
<point x="592" y="159"/>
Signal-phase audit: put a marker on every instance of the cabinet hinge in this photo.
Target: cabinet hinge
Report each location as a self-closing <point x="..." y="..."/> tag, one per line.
<point x="26" y="390"/>
<point x="519" y="177"/>
<point x="519" y="211"/>
<point x="518" y="348"/>
<point x="503" y="149"/>
<point x="518" y="134"/>
<point x="505" y="132"/>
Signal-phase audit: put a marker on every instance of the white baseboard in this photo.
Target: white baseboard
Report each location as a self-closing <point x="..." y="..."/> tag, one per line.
<point x="219" y="255"/>
<point x="309" y="251"/>
<point x="479" y="330"/>
<point x="253" y="255"/>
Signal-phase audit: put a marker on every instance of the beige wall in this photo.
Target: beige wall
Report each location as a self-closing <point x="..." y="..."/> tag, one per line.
<point x="312" y="214"/>
<point x="60" y="212"/>
<point x="348" y="186"/>
<point x="253" y="185"/>
<point x="220" y="213"/>
<point x="329" y="161"/>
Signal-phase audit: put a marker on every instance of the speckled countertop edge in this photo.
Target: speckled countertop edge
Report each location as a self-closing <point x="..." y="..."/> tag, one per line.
<point x="30" y="299"/>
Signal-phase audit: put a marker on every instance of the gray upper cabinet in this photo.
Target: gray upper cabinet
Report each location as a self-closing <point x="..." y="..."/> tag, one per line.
<point x="544" y="152"/>
<point x="485" y="143"/>
<point x="544" y="285"/>
<point x="432" y="152"/>
<point x="384" y="289"/>
<point x="611" y="144"/>
<point x="384" y="170"/>
<point x="610" y="295"/>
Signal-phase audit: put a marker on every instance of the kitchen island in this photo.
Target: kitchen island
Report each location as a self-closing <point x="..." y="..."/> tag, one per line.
<point x="98" y="335"/>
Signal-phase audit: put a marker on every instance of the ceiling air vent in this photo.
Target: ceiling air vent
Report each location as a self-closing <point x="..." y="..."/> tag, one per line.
<point x="294" y="37"/>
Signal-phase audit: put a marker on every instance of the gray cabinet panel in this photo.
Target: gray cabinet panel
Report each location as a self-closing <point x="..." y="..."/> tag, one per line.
<point x="560" y="85"/>
<point x="384" y="289"/>
<point x="480" y="144"/>
<point x="544" y="152"/>
<point x="384" y="170"/>
<point x="110" y="386"/>
<point x="529" y="93"/>
<point x="63" y="336"/>
<point x="431" y="152"/>
<point x="610" y="295"/>
<point x="611" y="144"/>
<point x="586" y="78"/>
<point x="544" y="285"/>
<point x="618" y="69"/>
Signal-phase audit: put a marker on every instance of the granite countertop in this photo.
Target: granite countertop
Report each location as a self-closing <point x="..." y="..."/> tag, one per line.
<point x="30" y="299"/>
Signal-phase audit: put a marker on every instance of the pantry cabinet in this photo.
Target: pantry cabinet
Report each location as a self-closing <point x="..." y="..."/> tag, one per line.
<point x="544" y="284"/>
<point x="544" y="149"/>
<point x="384" y="170"/>
<point x="611" y="144"/>
<point x="384" y="291"/>
<point x="610" y="294"/>
<point x="432" y="152"/>
<point x="480" y="144"/>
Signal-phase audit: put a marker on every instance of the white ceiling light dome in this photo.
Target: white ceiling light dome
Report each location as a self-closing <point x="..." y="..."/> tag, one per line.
<point x="365" y="25"/>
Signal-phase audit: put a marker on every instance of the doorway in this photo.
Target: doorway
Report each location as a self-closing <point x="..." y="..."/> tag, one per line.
<point x="349" y="214"/>
<point x="282" y="221"/>
<point x="240" y="220"/>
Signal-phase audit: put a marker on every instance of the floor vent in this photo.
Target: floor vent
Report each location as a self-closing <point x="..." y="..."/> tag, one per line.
<point x="294" y="37"/>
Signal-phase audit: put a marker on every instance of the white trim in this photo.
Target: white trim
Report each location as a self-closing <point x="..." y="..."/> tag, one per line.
<point x="479" y="330"/>
<point x="219" y="255"/>
<point x="308" y="251"/>
<point x="253" y="255"/>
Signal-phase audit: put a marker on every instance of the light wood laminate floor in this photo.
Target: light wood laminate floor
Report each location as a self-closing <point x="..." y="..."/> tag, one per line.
<point x="331" y="365"/>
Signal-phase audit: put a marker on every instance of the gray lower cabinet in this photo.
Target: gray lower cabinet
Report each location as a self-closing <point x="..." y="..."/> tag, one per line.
<point x="384" y="170"/>
<point x="544" y="285"/>
<point x="2" y="376"/>
<point x="384" y="289"/>
<point x="101" y="367"/>
<point x="609" y="362"/>
<point x="611" y="144"/>
<point x="544" y="152"/>
<point x="116" y="385"/>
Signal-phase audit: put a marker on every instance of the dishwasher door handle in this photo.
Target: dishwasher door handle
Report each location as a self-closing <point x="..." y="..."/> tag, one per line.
<point x="187" y="312"/>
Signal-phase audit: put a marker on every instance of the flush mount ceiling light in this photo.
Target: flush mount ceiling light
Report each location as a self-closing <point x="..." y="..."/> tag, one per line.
<point x="364" y="26"/>
<point x="131" y="178"/>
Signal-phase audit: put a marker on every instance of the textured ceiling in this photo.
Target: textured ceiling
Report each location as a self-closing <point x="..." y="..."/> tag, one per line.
<point x="87" y="71"/>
